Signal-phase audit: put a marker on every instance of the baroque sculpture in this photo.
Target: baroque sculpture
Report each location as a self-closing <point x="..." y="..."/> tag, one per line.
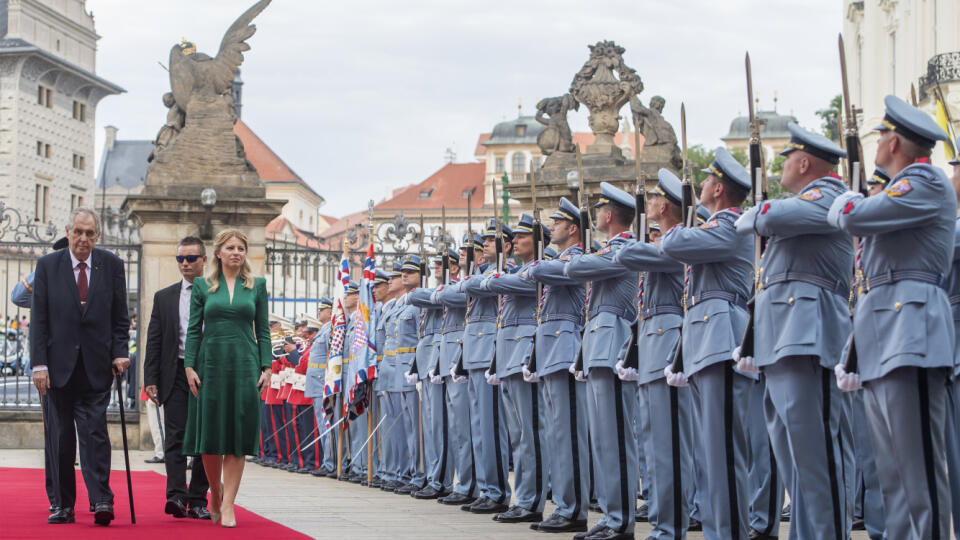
<point x="659" y="137"/>
<point x="552" y="112"/>
<point x="197" y="143"/>
<point x="598" y="87"/>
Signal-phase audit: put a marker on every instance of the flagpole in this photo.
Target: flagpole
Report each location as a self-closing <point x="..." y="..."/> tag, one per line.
<point x="373" y="337"/>
<point x="339" y="407"/>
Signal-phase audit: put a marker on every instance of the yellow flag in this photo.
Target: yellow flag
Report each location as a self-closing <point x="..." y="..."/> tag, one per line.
<point x="942" y="121"/>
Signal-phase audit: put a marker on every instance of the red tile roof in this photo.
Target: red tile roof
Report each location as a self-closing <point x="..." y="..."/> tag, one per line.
<point x="269" y="166"/>
<point x="278" y="228"/>
<point x="446" y="187"/>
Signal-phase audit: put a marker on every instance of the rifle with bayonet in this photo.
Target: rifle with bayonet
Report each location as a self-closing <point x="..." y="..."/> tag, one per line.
<point x="642" y="232"/>
<point x="538" y="246"/>
<point x="445" y="268"/>
<point x="498" y="239"/>
<point x="758" y="178"/>
<point x="586" y="240"/>
<point x="423" y="284"/>
<point x="688" y="209"/>
<point x="855" y="182"/>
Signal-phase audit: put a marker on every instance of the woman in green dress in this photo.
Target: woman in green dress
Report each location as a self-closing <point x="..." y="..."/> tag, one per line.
<point x="227" y="361"/>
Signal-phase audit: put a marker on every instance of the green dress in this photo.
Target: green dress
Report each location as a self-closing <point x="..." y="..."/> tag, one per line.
<point x="228" y="343"/>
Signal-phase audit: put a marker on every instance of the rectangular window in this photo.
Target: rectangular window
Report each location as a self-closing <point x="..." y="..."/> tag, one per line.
<point x="79" y="162"/>
<point x="45" y="96"/>
<point x="47" y="151"/>
<point x="49" y="98"/>
<point x="79" y="111"/>
<point x="499" y="165"/>
<point x="40" y="148"/>
<point x="73" y="202"/>
<point x="41" y="203"/>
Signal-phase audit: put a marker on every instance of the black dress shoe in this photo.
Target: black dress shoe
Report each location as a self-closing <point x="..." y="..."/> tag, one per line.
<point x="596" y="528"/>
<point x="606" y="533"/>
<point x="488" y="507"/>
<point x="406" y="489"/>
<point x="428" y="492"/>
<point x="154" y="460"/>
<point x="318" y="472"/>
<point x="859" y="524"/>
<point x="757" y="535"/>
<point x="518" y="514"/>
<point x="557" y="523"/>
<point x="103" y="514"/>
<point x="61" y="516"/>
<point x="377" y="483"/>
<point x="357" y="478"/>
<point x="392" y="485"/>
<point x="175" y="508"/>
<point x="455" y="499"/>
<point x="304" y="470"/>
<point x="695" y="525"/>
<point x="198" y="512"/>
<point x="478" y="500"/>
<point x="643" y="512"/>
<point x="785" y="515"/>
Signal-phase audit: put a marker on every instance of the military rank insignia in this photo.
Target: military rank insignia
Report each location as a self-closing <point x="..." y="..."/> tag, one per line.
<point x="812" y="195"/>
<point x="900" y="188"/>
<point x="712" y="224"/>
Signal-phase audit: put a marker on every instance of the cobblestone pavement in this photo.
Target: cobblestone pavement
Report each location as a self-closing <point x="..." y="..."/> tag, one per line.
<point x="321" y="507"/>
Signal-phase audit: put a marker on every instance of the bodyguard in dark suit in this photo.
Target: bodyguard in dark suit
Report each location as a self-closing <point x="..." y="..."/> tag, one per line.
<point x="166" y="381"/>
<point x="78" y="338"/>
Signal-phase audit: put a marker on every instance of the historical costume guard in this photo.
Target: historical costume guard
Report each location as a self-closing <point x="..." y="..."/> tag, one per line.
<point x="801" y="324"/>
<point x="611" y="402"/>
<point x="316" y="375"/>
<point x="903" y="326"/>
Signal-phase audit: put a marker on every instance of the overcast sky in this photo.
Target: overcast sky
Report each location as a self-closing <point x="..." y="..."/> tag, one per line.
<point x="361" y="97"/>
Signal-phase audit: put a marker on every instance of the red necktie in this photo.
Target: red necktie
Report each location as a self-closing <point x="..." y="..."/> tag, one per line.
<point x="82" y="283"/>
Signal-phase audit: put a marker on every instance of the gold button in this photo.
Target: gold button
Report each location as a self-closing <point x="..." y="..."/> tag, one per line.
<point x="706" y="317"/>
<point x="557" y="332"/>
<point x="790" y="300"/>
<point x="480" y="334"/>
<point x="660" y="331"/>
<point x="897" y="305"/>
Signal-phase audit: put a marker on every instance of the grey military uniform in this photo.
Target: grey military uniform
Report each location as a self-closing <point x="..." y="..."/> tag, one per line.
<point x="904" y="333"/>
<point x="666" y="417"/>
<point x="316" y="379"/>
<point x="611" y="403"/>
<point x="564" y="400"/>
<point x="717" y="286"/>
<point x="801" y="323"/>
<point x="392" y="438"/>
<point x="522" y="403"/>
<point x="401" y="349"/>
<point x="953" y="390"/>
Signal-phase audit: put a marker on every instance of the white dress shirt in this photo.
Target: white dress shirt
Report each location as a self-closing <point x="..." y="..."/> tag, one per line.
<point x="186" y="290"/>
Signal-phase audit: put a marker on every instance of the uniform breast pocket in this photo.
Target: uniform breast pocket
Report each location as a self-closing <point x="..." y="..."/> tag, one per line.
<point x="800" y="313"/>
<point x="900" y="324"/>
<point x="711" y="327"/>
<point x="660" y="343"/>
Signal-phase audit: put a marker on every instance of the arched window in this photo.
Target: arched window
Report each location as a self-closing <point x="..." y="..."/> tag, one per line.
<point x="519" y="162"/>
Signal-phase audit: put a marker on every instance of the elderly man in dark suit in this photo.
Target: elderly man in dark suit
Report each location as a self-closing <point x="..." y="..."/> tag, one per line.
<point x="78" y="340"/>
<point x="166" y="381"/>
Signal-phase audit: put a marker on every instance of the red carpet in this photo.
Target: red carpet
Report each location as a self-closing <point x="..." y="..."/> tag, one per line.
<point x="25" y="512"/>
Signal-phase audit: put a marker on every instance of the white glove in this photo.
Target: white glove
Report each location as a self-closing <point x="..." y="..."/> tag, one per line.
<point x="625" y="373"/>
<point x="839" y="204"/>
<point x="436" y="379"/>
<point x="412" y="378"/>
<point x="528" y="376"/>
<point x="848" y="382"/>
<point x="492" y="378"/>
<point x="579" y="376"/>
<point x="456" y="378"/>
<point x="747" y="221"/>
<point x="675" y="379"/>
<point x="744" y="363"/>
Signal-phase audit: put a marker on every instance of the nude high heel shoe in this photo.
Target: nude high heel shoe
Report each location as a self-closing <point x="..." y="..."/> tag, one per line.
<point x="216" y="516"/>
<point x="229" y="524"/>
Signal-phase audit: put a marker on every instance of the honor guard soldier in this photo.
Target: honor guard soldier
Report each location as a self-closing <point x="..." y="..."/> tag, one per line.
<point x="401" y="349"/>
<point x="801" y="322"/>
<point x="877" y="182"/>
<point x="278" y="433"/>
<point x="381" y="295"/>
<point x="903" y="327"/>
<point x="666" y="415"/>
<point x="522" y="404"/>
<point x="269" y="455"/>
<point x="316" y="376"/>
<point x="354" y="471"/>
<point x="435" y="423"/>
<point x="458" y="401"/>
<point x="611" y="402"/>
<point x="306" y="422"/>
<point x="549" y="254"/>
<point x="488" y="428"/>
<point x="717" y="284"/>
<point x="564" y="401"/>
<point x="391" y="439"/>
<point x="289" y="363"/>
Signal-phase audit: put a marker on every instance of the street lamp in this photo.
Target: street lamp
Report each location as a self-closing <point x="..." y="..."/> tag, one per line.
<point x="208" y="198"/>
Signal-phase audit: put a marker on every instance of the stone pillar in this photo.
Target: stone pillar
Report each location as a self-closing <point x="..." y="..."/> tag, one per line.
<point x="165" y="220"/>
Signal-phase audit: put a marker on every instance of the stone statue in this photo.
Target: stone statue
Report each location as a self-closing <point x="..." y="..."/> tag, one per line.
<point x="596" y="86"/>
<point x="197" y="145"/>
<point x="552" y="112"/>
<point x="659" y="137"/>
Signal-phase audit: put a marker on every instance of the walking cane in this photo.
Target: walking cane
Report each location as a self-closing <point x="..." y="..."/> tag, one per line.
<point x="126" y="450"/>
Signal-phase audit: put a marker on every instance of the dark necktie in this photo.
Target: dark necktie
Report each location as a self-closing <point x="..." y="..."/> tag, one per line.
<point x="82" y="283"/>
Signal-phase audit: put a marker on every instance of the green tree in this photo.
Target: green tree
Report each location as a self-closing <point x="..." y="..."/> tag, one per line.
<point x="741" y="156"/>
<point x="829" y="118"/>
<point x="777" y="166"/>
<point x="698" y="157"/>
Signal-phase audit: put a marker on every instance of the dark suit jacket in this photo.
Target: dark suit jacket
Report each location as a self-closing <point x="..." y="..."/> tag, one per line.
<point x="60" y="330"/>
<point x="163" y="339"/>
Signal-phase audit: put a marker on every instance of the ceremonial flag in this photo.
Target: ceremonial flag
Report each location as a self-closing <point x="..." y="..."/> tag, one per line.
<point x="945" y="124"/>
<point x="338" y="328"/>
<point x="364" y="348"/>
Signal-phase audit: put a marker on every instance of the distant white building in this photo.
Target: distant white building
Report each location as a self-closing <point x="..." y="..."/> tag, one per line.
<point x="49" y="93"/>
<point x="891" y="44"/>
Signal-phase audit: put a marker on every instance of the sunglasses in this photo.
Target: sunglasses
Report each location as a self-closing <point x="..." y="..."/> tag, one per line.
<point x="188" y="258"/>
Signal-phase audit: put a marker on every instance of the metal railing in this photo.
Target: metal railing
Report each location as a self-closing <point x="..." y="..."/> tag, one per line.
<point x="941" y="68"/>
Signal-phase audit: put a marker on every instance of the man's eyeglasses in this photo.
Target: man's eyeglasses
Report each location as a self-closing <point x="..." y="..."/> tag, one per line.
<point x="188" y="258"/>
